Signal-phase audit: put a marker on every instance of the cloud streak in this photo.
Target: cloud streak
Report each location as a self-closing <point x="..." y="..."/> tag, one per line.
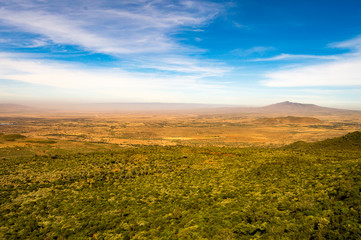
<point x="353" y="44"/>
<point x="259" y="50"/>
<point x="103" y="82"/>
<point x="138" y="32"/>
<point x="129" y="27"/>
<point x="338" y="70"/>
<point x="346" y="72"/>
<point x="284" y="56"/>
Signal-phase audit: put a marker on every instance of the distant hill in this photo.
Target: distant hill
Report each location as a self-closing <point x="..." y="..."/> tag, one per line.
<point x="111" y="108"/>
<point x="144" y="107"/>
<point x="289" y="120"/>
<point x="15" y="108"/>
<point x="351" y="141"/>
<point x="286" y="109"/>
<point x="299" y="108"/>
<point x="283" y="108"/>
<point x="279" y="109"/>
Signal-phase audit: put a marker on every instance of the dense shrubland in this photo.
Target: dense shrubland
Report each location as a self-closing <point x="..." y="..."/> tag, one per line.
<point x="304" y="191"/>
<point x="11" y="137"/>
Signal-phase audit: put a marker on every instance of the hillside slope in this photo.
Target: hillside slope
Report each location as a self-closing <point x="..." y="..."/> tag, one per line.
<point x="291" y="108"/>
<point x="351" y="141"/>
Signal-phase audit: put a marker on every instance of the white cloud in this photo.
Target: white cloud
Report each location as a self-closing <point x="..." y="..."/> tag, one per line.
<point x="122" y="27"/>
<point x="335" y="70"/>
<point x="186" y="65"/>
<point x="353" y="44"/>
<point x="113" y="83"/>
<point x="139" y="32"/>
<point x="238" y="25"/>
<point x="284" y="56"/>
<point x="62" y="31"/>
<point x="246" y="52"/>
<point x="345" y="72"/>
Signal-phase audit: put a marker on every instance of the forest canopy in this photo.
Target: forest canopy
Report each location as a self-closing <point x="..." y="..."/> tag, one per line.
<point x="303" y="191"/>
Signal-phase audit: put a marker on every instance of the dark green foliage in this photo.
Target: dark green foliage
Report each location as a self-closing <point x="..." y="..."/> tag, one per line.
<point x="351" y="141"/>
<point x="183" y="193"/>
<point x="11" y="137"/>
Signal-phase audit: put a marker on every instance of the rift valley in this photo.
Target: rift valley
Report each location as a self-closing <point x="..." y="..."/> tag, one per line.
<point x="285" y="171"/>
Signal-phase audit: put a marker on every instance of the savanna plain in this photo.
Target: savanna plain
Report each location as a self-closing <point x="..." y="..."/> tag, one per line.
<point x="184" y="175"/>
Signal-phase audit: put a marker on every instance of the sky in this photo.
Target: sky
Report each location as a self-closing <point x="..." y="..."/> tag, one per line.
<point x="245" y="52"/>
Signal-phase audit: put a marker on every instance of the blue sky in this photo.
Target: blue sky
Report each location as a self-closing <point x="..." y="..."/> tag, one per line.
<point x="246" y="52"/>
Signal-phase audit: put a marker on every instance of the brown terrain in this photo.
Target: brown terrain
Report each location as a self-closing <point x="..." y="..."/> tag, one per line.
<point x="289" y="120"/>
<point x="169" y="124"/>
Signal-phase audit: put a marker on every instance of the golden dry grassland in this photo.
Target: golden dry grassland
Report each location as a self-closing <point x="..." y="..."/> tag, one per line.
<point x="239" y="130"/>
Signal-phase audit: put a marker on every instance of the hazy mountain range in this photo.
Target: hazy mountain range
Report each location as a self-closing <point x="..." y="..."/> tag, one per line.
<point x="282" y="108"/>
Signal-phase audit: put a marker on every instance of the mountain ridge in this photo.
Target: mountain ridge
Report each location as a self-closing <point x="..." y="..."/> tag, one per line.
<point x="16" y="108"/>
<point x="290" y="107"/>
<point x="285" y="108"/>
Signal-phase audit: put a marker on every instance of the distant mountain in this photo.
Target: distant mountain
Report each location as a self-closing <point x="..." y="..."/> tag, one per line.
<point x="138" y="107"/>
<point x="111" y="108"/>
<point x="15" y="108"/>
<point x="147" y="106"/>
<point x="277" y="110"/>
<point x="291" y="107"/>
<point x="350" y="141"/>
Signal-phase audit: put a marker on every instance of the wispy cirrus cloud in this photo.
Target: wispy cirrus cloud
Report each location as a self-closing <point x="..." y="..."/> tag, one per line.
<point x="334" y="70"/>
<point x="59" y="30"/>
<point x="138" y="32"/>
<point x="186" y="65"/>
<point x="346" y="72"/>
<point x="251" y="51"/>
<point x="124" y="27"/>
<point x="106" y="82"/>
<point x="284" y="56"/>
<point x="353" y="44"/>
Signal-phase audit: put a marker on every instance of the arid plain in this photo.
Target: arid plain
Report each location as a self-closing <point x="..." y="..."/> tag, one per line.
<point x="210" y="173"/>
<point x="270" y="126"/>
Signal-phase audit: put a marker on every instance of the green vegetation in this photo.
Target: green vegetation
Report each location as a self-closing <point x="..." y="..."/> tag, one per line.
<point x="351" y="141"/>
<point x="11" y="137"/>
<point x="304" y="191"/>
